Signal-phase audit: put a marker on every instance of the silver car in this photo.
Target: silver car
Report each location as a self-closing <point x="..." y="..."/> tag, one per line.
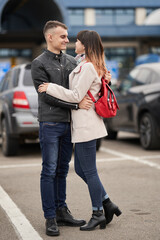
<point x="18" y="109"/>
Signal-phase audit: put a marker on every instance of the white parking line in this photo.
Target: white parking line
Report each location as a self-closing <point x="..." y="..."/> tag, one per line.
<point x="110" y="159"/>
<point x="20" y="222"/>
<point x="152" y="157"/>
<point x="71" y="163"/>
<point x="130" y="157"/>
<point x="21" y="165"/>
<point x="121" y="157"/>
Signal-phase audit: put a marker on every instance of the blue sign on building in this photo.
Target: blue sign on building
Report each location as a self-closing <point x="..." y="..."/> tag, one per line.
<point x="4" y="67"/>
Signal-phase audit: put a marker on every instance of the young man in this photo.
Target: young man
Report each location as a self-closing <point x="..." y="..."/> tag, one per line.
<point x="54" y="120"/>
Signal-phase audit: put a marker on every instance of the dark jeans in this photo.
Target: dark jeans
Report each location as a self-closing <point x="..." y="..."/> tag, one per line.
<point x="85" y="167"/>
<point x="56" y="148"/>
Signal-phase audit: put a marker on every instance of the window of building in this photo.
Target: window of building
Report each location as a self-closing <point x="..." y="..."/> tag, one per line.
<point x="119" y="51"/>
<point x="155" y="50"/>
<point x="76" y="16"/>
<point x="115" y="16"/>
<point x="125" y="57"/>
<point x="8" y="52"/>
<point x="124" y="16"/>
<point x="104" y="17"/>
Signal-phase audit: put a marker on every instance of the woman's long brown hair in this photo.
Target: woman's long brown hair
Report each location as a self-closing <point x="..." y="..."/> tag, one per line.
<point x="94" y="51"/>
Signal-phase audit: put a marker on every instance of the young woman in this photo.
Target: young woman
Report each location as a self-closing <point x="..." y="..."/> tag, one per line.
<point x="87" y="126"/>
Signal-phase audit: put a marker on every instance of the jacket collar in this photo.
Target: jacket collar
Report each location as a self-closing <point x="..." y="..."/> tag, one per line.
<point x="79" y="58"/>
<point x="54" y="55"/>
<point x="78" y="68"/>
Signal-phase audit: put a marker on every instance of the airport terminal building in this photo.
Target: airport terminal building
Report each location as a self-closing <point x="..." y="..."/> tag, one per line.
<point x="128" y="28"/>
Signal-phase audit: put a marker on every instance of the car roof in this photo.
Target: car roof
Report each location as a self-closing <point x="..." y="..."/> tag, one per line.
<point x="154" y="66"/>
<point x="22" y="65"/>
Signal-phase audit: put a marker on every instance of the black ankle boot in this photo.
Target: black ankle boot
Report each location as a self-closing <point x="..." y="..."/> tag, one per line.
<point x="110" y="209"/>
<point x="51" y="227"/>
<point x="65" y="218"/>
<point x="97" y="219"/>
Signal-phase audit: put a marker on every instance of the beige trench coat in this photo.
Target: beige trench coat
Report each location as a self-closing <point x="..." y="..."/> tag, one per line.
<point x="86" y="124"/>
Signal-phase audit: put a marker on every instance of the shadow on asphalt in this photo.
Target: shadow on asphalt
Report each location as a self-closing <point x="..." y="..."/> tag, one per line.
<point x="128" y="140"/>
<point x="33" y="148"/>
<point x="131" y="141"/>
<point x="29" y="148"/>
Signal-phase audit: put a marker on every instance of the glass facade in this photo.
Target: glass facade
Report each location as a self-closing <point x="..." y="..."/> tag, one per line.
<point x="9" y="52"/>
<point x="76" y="16"/>
<point x="106" y="16"/>
<point x="115" y="16"/>
<point x="103" y="16"/>
<point x="124" y="57"/>
<point x="155" y="50"/>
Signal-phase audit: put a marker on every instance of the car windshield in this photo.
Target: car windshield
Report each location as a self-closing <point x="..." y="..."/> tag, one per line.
<point x="27" y="81"/>
<point x="128" y="82"/>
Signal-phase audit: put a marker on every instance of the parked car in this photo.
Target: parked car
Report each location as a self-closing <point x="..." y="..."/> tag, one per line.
<point x="18" y="109"/>
<point x="138" y="97"/>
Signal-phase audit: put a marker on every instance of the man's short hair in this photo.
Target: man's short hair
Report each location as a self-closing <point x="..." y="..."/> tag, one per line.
<point x="53" y="24"/>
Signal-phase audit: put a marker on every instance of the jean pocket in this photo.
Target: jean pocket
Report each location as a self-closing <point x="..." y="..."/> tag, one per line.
<point x="50" y="124"/>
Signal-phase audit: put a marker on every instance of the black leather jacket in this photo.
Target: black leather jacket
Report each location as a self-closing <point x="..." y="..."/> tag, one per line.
<point x="50" y="67"/>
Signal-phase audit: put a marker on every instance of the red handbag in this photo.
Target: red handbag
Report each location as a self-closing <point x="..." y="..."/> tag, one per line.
<point x="106" y="106"/>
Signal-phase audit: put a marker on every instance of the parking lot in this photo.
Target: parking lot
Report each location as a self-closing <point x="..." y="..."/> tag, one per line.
<point x="130" y="175"/>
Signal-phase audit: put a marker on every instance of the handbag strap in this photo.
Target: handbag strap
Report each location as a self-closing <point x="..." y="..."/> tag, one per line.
<point x="91" y="96"/>
<point x="112" y="96"/>
<point x="109" y="92"/>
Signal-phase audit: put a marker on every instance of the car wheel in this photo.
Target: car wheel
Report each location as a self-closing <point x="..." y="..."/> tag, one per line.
<point x="148" y="136"/>
<point x="9" y="144"/>
<point x="98" y="144"/>
<point x="111" y="134"/>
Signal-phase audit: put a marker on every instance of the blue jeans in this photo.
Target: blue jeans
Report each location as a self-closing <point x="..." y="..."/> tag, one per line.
<point x="56" y="148"/>
<point x="85" y="167"/>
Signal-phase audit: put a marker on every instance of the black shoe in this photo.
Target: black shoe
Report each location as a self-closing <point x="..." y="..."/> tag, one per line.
<point x="110" y="209"/>
<point x="64" y="218"/>
<point x="51" y="227"/>
<point x="97" y="219"/>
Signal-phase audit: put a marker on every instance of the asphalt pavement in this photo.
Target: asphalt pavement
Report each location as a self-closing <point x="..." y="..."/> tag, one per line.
<point x="130" y="175"/>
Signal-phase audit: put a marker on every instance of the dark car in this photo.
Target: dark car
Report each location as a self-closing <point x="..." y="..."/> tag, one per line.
<point x="138" y="97"/>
